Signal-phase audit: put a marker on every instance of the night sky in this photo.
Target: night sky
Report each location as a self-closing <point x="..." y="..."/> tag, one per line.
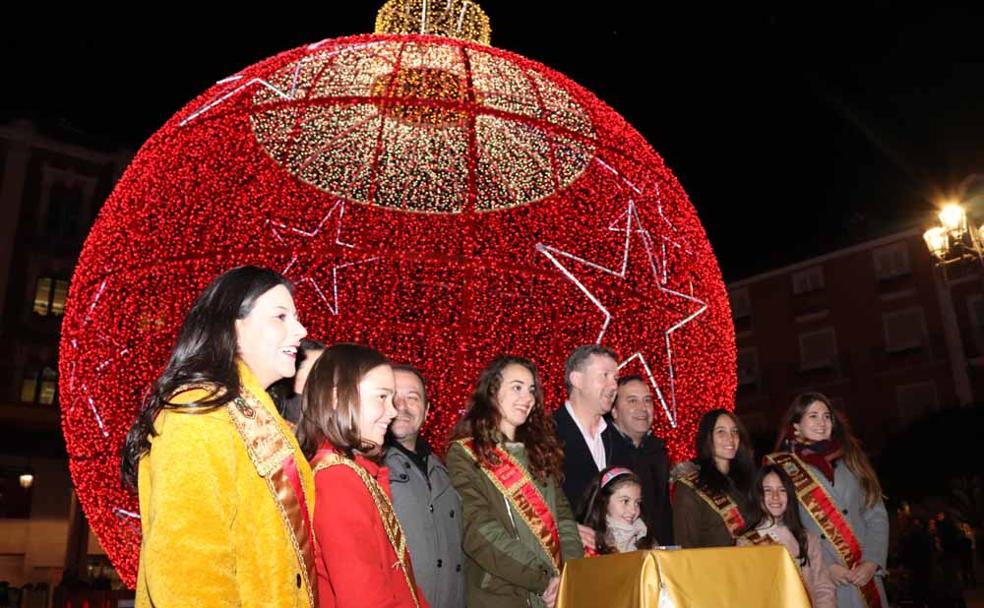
<point x="793" y="129"/>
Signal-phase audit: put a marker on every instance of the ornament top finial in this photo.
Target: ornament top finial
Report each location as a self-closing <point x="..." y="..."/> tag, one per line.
<point x="461" y="19"/>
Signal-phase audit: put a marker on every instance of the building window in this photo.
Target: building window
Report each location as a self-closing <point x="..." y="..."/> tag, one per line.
<point x="818" y="349"/>
<point x="49" y="386"/>
<point x="748" y="371"/>
<point x="66" y="198"/>
<point x="915" y="400"/>
<point x="64" y="209"/>
<point x="741" y="304"/>
<point x="29" y="387"/>
<point x="891" y="261"/>
<point x="49" y="296"/>
<point x="904" y="330"/>
<point x="40" y="387"/>
<point x="808" y="280"/>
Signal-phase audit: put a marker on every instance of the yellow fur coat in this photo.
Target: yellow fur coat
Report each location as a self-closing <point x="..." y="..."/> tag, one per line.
<point x="221" y="525"/>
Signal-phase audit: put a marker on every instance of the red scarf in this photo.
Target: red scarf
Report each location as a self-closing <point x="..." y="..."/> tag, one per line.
<point x="820" y="454"/>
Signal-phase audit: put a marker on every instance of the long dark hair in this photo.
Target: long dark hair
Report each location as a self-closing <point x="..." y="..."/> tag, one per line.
<point x="481" y="422"/>
<point x="331" y="405"/>
<point x="594" y="508"/>
<point x="204" y="355"/>
<point x="758" y="513"/>
<point x="742" y="467"/>
<point x="283" y="389"/>
<point x="840" y="431"/>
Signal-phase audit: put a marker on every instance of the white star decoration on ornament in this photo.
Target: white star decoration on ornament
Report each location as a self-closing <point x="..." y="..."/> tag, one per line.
<point x="100" y="367"/>
<point x="262" y="82"/>
<point x="633" y="226"/>
<point x="303" y="263"/>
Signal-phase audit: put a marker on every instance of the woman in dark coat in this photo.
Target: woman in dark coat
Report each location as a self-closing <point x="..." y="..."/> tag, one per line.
<point x="710" y="499"/>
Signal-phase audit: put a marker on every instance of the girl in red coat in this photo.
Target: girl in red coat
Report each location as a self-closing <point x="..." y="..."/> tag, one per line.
<point x="362" y="556"/>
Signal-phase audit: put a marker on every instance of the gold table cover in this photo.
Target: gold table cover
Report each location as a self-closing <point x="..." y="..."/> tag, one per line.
<point x="746" y="577"/>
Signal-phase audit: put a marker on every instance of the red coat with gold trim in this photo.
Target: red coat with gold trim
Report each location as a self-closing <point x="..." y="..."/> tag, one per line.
<point x="356" y="563"/>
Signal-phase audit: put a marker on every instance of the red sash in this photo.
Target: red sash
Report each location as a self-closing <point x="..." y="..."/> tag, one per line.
<point x="514" y="482"/>
<point x="824" y="511"/>
<point x="720" y="502"/>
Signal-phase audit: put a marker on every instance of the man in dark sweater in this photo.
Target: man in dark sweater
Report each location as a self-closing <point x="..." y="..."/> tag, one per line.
<point x="632" y="416"/>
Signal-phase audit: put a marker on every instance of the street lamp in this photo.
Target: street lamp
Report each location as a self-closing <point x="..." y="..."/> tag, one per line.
<point x="952" y="241"/>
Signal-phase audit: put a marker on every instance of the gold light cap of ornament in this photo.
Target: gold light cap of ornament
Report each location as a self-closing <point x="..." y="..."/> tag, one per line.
<point x="460" y="19"/>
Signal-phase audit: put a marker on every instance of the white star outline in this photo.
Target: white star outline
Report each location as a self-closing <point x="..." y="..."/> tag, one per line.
<point x="285" y="95"/>
<point x="121" y="351"/>
<point x="631" y="217"/>
<point x="130" y="519"/>
<point x="277" y="227"/>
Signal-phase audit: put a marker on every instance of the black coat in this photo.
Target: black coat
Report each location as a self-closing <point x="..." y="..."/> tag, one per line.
<point x="579" y="466"/>
<point x="651" y="462"/>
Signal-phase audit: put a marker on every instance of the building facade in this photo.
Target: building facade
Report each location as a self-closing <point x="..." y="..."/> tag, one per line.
<point x="874" y="326"/>
<point x="50" y="192"/>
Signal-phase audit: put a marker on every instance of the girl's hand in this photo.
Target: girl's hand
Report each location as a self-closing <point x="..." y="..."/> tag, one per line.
<point x="841" y="575"/>
<point x="550" y="595"/>
<point x="862" y="573"/>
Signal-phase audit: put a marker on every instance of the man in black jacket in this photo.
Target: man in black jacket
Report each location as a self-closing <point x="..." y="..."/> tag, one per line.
<point x="632" y="416"/>
<point x="590" y="443"/>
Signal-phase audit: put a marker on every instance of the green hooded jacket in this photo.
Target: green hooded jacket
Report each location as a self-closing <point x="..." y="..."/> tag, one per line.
<point x="505" y="565"/>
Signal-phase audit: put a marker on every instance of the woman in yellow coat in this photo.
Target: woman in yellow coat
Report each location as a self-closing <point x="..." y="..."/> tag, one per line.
<point x="225" y="493"/>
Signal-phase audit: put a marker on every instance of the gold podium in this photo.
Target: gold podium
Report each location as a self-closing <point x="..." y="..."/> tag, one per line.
<point x="743" y="577"/>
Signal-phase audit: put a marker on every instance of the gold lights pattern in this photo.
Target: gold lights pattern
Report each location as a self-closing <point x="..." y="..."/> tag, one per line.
<point x="423" y="126"/>
<point x="460" y="19"/>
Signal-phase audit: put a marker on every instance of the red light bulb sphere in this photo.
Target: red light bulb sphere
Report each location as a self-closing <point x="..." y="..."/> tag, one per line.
<point x="440" y="200"/>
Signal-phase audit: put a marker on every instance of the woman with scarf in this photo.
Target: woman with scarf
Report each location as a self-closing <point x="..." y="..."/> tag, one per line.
<point x="710" y="493"/>
<point x="505" y="462"/>
<point x="839" y="496"/>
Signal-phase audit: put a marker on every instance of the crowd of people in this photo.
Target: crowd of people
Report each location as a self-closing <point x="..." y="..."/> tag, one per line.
<point x="273" y="470"/>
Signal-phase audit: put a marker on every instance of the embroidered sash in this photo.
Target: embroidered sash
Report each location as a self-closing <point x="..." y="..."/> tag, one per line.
<point x="514" y="482"/>
<point x="753" y="537"/>
<point x="271" y="453"/>
<point x="394" y="532"/>
<point x="824" y="511"/>
<point x="720" y="502"/>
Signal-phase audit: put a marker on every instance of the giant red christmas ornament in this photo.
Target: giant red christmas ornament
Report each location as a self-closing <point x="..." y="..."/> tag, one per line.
<point x="439" y="199"/>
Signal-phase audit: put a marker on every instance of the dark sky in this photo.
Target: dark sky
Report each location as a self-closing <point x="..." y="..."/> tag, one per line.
<point x="793" y="129"/>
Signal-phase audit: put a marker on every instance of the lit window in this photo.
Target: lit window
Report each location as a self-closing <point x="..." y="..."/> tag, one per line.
<point x="49" y="386"/>
<point x="49" y="297"/>
<point x="58" y="298"/>
<point x="42" y="296"/>
<point x="29" y="387"/>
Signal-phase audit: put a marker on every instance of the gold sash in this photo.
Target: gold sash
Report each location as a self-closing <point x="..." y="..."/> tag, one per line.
<point x="269" y="449"/>
<point x="720" y="502"/>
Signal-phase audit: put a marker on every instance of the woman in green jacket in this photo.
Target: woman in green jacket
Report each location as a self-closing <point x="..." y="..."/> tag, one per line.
<point x="505" y="462"/>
